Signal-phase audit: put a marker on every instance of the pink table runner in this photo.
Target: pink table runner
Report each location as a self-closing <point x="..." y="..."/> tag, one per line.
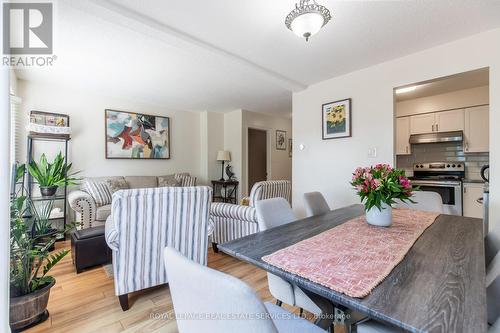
<point x="354" y="257"/>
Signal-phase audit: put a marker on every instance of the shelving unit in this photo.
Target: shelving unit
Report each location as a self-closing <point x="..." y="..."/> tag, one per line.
<point x="36" y="197"/>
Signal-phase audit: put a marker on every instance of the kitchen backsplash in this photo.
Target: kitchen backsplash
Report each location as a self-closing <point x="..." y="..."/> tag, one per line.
<point x="449" y="151"/>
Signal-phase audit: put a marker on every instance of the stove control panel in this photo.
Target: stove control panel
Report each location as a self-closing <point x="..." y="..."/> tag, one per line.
<point x="439" y="166"/>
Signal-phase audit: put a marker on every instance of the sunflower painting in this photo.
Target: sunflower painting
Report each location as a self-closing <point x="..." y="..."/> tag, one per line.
<point x="337" y="119"/>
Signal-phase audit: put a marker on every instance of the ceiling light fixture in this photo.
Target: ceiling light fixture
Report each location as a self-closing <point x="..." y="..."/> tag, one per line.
<point x="405" y="89"/>
<point x="307" y="18"/>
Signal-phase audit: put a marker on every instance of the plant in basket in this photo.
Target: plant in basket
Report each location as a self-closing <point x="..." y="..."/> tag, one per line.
<point x="379" y="187"/>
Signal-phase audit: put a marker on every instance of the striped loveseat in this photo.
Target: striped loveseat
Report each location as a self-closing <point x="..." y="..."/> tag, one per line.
<point x="236" y="221"/>
<point x="145" y="221"/>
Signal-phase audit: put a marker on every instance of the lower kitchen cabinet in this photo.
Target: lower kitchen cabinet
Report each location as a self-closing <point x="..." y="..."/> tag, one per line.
<point x="472" y="192"/>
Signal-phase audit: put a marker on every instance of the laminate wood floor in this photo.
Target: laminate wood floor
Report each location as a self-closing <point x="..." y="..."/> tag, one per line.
<point x="87" y="303"/>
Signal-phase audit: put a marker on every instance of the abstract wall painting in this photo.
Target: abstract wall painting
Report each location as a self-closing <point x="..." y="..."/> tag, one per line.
<point x="336" y="121"/>
<point x="136" y="136"/>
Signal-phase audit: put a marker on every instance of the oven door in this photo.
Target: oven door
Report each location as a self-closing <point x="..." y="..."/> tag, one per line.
<point x="450" y="192"/>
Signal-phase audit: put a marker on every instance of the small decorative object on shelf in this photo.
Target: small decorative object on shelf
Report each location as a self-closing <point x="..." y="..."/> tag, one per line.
<point x="52" y="175"/>
<point x="49" y="124"/>
<point x="229" y="172"/>
<point x="378" y="187"/>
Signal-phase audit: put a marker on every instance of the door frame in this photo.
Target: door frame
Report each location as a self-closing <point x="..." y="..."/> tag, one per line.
<point x="268" y="153"/>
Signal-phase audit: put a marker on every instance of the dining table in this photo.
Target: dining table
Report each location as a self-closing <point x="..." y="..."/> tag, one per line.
<point x="439" y="286"/>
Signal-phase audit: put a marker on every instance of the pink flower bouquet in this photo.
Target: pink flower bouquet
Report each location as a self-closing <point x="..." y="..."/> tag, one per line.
<point x="381" y="184"/>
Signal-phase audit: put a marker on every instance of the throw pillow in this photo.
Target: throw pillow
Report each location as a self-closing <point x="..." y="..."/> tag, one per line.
<point x="168" y="181"/>
<point x="117" y="184"/>
<point x="99" y="190"/>
<point x="186" y="180"/>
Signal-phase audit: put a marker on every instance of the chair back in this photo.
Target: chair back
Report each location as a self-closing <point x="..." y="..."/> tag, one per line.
<point x="315" y="204"/>
<point x="492" y="243"/>
<point x="206" y="300"/>
<point x="424" y="200"/>
<point x="270" y="189"/>
<point x="145" y="221"/>
<point x="273" y="212"/>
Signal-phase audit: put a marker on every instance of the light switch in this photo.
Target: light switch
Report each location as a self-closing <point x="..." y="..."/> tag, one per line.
<point x="372" y="152"/>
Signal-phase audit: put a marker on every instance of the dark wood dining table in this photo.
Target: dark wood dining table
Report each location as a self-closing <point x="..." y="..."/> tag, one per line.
<point x="438" y="287"/>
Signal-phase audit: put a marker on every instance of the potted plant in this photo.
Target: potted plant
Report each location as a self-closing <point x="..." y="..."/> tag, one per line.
<point x="378" y="187"/>
<point x="30" y="260"/>
<point x="52" y="175"/>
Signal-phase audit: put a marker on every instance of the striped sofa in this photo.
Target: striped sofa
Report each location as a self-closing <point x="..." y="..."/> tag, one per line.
<point x="145" y="221"/>
<point x="236" y="221"/>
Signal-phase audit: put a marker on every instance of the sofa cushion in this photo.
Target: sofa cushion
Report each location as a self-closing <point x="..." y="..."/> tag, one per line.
<point x="117" y="184"/>
<point x="186" y="180"/>
<point x="168" y="181"/>
<point x="142" y="181"/>
<point x="103" y="212"/>
<point x="98" y="190"/>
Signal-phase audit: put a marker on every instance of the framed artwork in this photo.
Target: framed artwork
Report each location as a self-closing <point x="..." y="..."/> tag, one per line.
<point x="290" y="150"/>
<point x="336" y="119"/>
<point x="280" y="140"/>
<point x="136" y="136"/>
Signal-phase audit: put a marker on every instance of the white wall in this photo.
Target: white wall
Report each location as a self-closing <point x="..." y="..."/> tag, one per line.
<point x="452" y="100"/>
<point x="86" y="113"/>
<point x="212" y="140"/>
<point x="280" y="164"/>
<point x="233" y="142"/>
<point x="327" y="165"/>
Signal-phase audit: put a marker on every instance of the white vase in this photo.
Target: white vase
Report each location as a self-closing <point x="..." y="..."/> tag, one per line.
<point x="380" y="218"/>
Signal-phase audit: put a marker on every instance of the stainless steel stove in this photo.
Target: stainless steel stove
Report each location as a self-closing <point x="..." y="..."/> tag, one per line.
<point x="444" y="178"/>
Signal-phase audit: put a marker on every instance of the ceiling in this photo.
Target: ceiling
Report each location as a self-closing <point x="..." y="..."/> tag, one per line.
<point x="467" y="80"/>
<point x="221" y="55"/>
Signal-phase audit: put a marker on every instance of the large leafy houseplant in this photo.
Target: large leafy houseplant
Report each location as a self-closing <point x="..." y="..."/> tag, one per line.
<point x="52" y="175"/>
<point x="31" y="239"/>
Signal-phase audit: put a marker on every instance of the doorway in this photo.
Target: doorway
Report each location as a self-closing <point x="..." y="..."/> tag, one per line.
<point x="257" y="156"/>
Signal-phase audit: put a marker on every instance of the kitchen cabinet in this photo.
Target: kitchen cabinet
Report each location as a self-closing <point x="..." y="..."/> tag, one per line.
<point x="472" y="192"/>
<point x="447" y="121"/>
<point x="422" y="123"/>
<point x="477" y="129"/>
<point x="403" y="136"/>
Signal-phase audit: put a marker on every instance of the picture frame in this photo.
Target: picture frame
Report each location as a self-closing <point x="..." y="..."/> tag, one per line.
<point x="131" y="135"/>
<point x="290" y="148"/>
<point x="336" y="120"/>
<point x="281" y="140"/>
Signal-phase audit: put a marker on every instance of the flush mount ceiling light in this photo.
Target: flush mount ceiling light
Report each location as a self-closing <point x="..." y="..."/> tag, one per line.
<point x="405" y="89"/>
<point x="307" y="18"/>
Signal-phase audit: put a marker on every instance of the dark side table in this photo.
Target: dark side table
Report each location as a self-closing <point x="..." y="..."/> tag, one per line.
<point x="225" y="191"/>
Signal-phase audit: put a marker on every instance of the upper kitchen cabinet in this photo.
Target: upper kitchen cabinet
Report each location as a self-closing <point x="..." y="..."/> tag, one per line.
<point x="422" y="123"/>
<point x="444" y="121"/>
<point x="403" y="136"/>
<point x="476" y="129"/>
<point x="448" y="121"/>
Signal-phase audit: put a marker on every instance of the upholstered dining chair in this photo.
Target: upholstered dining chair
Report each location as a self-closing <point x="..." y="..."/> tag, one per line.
<point x="236" y="309"/>
<point x="272" y="213"/>
<point x="315" y="204"/>
<point x="424" y="200"/>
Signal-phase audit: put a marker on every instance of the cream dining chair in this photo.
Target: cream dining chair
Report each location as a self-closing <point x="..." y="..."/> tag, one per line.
<point x="424" y="200"/>
<point x="222" y="303"/>
<point x="272" y="213"/>
<point x="315" y="204"/>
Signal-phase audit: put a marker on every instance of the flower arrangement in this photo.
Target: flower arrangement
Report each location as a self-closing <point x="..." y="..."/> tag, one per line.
<point x="381" y="184"/>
